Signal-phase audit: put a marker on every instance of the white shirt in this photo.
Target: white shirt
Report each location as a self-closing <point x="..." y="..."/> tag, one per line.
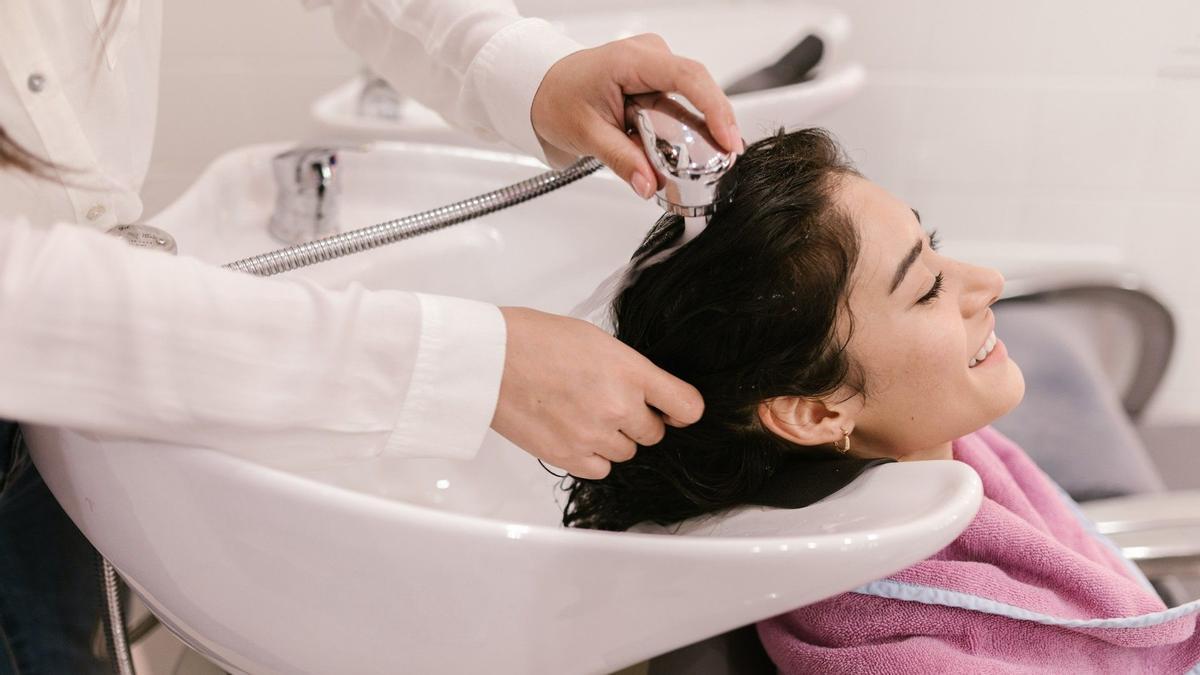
<point x="98" y="336"/>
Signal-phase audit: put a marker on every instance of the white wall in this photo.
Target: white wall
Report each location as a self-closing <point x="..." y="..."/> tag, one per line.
<point x="1070" y="123"/>
<point x="236" y="73"/>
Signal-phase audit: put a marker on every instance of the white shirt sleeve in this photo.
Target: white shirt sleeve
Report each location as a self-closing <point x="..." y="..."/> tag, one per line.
<point x="99" y="336"/>
<point x="476" y="62"/>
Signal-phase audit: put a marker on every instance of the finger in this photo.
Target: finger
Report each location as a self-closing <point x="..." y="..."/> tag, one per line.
<point x="680" y="402"/>
<point x="624" y="156"/>
<point x="663" y="71"/>
<point x="618" y="448"/>
<point x="594" y="467"/>
<point x="652" y="40"/>
<point x="644" y="426"/>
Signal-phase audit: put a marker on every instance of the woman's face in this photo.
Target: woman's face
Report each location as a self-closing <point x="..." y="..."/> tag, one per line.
<point x="920" y="321"/>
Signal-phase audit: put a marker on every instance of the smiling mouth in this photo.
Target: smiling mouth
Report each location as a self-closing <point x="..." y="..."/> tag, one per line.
<point x="988" y="346"/>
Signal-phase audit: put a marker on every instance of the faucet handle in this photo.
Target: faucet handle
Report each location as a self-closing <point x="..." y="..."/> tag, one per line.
<point x="305" y="168"/>
<point x="308" y="184"/>
<point x="378" y="99"/>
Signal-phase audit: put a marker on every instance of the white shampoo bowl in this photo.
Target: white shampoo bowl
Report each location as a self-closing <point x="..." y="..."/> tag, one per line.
<point x="291" y="565"/>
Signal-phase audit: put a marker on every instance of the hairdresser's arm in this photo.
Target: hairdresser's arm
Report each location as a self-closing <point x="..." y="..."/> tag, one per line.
<point x="491" y="72"/>
<point x="102" y="337"/>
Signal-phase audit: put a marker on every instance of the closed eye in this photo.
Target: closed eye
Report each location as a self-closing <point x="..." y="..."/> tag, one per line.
<point x="934" y="242"/>
<point x="934" y="292"/>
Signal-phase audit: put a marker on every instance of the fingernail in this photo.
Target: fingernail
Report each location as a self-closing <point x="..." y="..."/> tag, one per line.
<point x="738" y="145"/>
<point x="642" y="186"/>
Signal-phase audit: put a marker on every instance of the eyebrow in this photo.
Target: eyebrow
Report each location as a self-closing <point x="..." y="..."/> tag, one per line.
<point x="908" y="261"/>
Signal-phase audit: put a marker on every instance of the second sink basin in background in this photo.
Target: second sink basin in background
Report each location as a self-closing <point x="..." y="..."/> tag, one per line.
<point x="731" y="39"/>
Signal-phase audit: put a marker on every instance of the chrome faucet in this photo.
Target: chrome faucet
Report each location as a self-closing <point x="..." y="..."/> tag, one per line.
<point x="378" y="98"/>
<point x="307" y="185"/>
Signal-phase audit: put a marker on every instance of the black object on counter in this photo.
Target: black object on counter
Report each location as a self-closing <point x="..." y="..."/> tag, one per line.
<point x="795" y="66"/>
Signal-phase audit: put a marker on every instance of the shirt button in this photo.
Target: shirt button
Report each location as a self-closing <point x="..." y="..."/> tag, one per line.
<point x="96" y="211"/>
<point x="36" y="82"/>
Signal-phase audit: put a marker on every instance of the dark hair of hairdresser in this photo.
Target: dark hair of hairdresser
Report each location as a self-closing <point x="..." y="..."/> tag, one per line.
<point x="747" y="311"/>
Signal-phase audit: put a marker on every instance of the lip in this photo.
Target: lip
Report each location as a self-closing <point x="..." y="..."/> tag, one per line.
<point x="999" y="353"/>
<point x="990" y="330"/>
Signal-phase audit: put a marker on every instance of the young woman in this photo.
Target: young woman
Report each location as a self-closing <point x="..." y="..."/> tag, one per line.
<point x="826" y="333"/>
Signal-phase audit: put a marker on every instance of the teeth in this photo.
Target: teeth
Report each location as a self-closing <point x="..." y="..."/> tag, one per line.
<point x="988" y="346"/>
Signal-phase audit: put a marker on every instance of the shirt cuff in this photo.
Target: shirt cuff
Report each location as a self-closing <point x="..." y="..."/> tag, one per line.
<point x="455" y="381"/>
<point x="509" y="69"/>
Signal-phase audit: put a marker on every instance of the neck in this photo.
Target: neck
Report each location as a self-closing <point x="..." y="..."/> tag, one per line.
<point x="871" y="448"/>
<point x="942" y="451"/>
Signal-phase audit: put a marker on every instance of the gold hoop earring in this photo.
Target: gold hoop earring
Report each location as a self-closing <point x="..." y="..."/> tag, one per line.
<point x="844" y="446"/>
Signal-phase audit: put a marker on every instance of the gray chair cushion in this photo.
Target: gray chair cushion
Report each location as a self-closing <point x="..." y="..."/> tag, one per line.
<point x="1071" y="422"/>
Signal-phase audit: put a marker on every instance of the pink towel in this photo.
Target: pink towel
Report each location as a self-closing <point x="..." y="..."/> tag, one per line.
<point x="1028" y="587"/>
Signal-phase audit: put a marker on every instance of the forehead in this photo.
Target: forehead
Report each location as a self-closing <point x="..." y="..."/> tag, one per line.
<point x="887" y="231"/>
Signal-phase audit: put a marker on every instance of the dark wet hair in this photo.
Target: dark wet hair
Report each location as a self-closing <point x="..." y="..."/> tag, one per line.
<point x="746" y="312"/>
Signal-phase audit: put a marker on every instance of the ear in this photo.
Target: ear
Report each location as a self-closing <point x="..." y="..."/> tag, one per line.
<point x="803" y="421"/>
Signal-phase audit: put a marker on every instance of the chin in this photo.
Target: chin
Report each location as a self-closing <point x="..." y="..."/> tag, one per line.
<point x="998" y="401"/>
<point x="1008" y="395"/>
<point x="1016" y="386"/>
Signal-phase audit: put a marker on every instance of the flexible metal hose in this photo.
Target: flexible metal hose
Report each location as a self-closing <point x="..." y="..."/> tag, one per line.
<point x="114" y="620"/>
<point x="346" y="243"/>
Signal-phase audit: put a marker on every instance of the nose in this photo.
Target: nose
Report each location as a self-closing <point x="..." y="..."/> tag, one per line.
<point x="982" y="287"/>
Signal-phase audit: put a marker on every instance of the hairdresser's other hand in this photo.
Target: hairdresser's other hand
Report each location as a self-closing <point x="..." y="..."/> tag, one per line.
<point x="578" y="398"/>
<point x="580" y="106"/>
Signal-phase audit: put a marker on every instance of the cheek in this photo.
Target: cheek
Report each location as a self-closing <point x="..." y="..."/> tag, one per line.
<point x="914" y="373"/>
<point x="919" y="355"/>
<point x="943" y="348"/>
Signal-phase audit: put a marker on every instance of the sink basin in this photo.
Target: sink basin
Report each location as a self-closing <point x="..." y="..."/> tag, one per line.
<point x="299" y="564"/>
<point x="696" y="30"/>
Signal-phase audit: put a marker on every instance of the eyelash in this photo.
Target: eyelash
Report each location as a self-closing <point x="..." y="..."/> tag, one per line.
<point x="933" y="292"/>
<point x="936" y="289"/>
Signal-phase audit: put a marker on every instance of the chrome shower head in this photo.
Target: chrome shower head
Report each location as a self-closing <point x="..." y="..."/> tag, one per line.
<point x="683" y="153"/>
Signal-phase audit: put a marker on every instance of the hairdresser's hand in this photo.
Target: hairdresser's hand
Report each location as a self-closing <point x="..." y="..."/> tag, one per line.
<point x="578" y="398"/>
<point x="580" y="106"/>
